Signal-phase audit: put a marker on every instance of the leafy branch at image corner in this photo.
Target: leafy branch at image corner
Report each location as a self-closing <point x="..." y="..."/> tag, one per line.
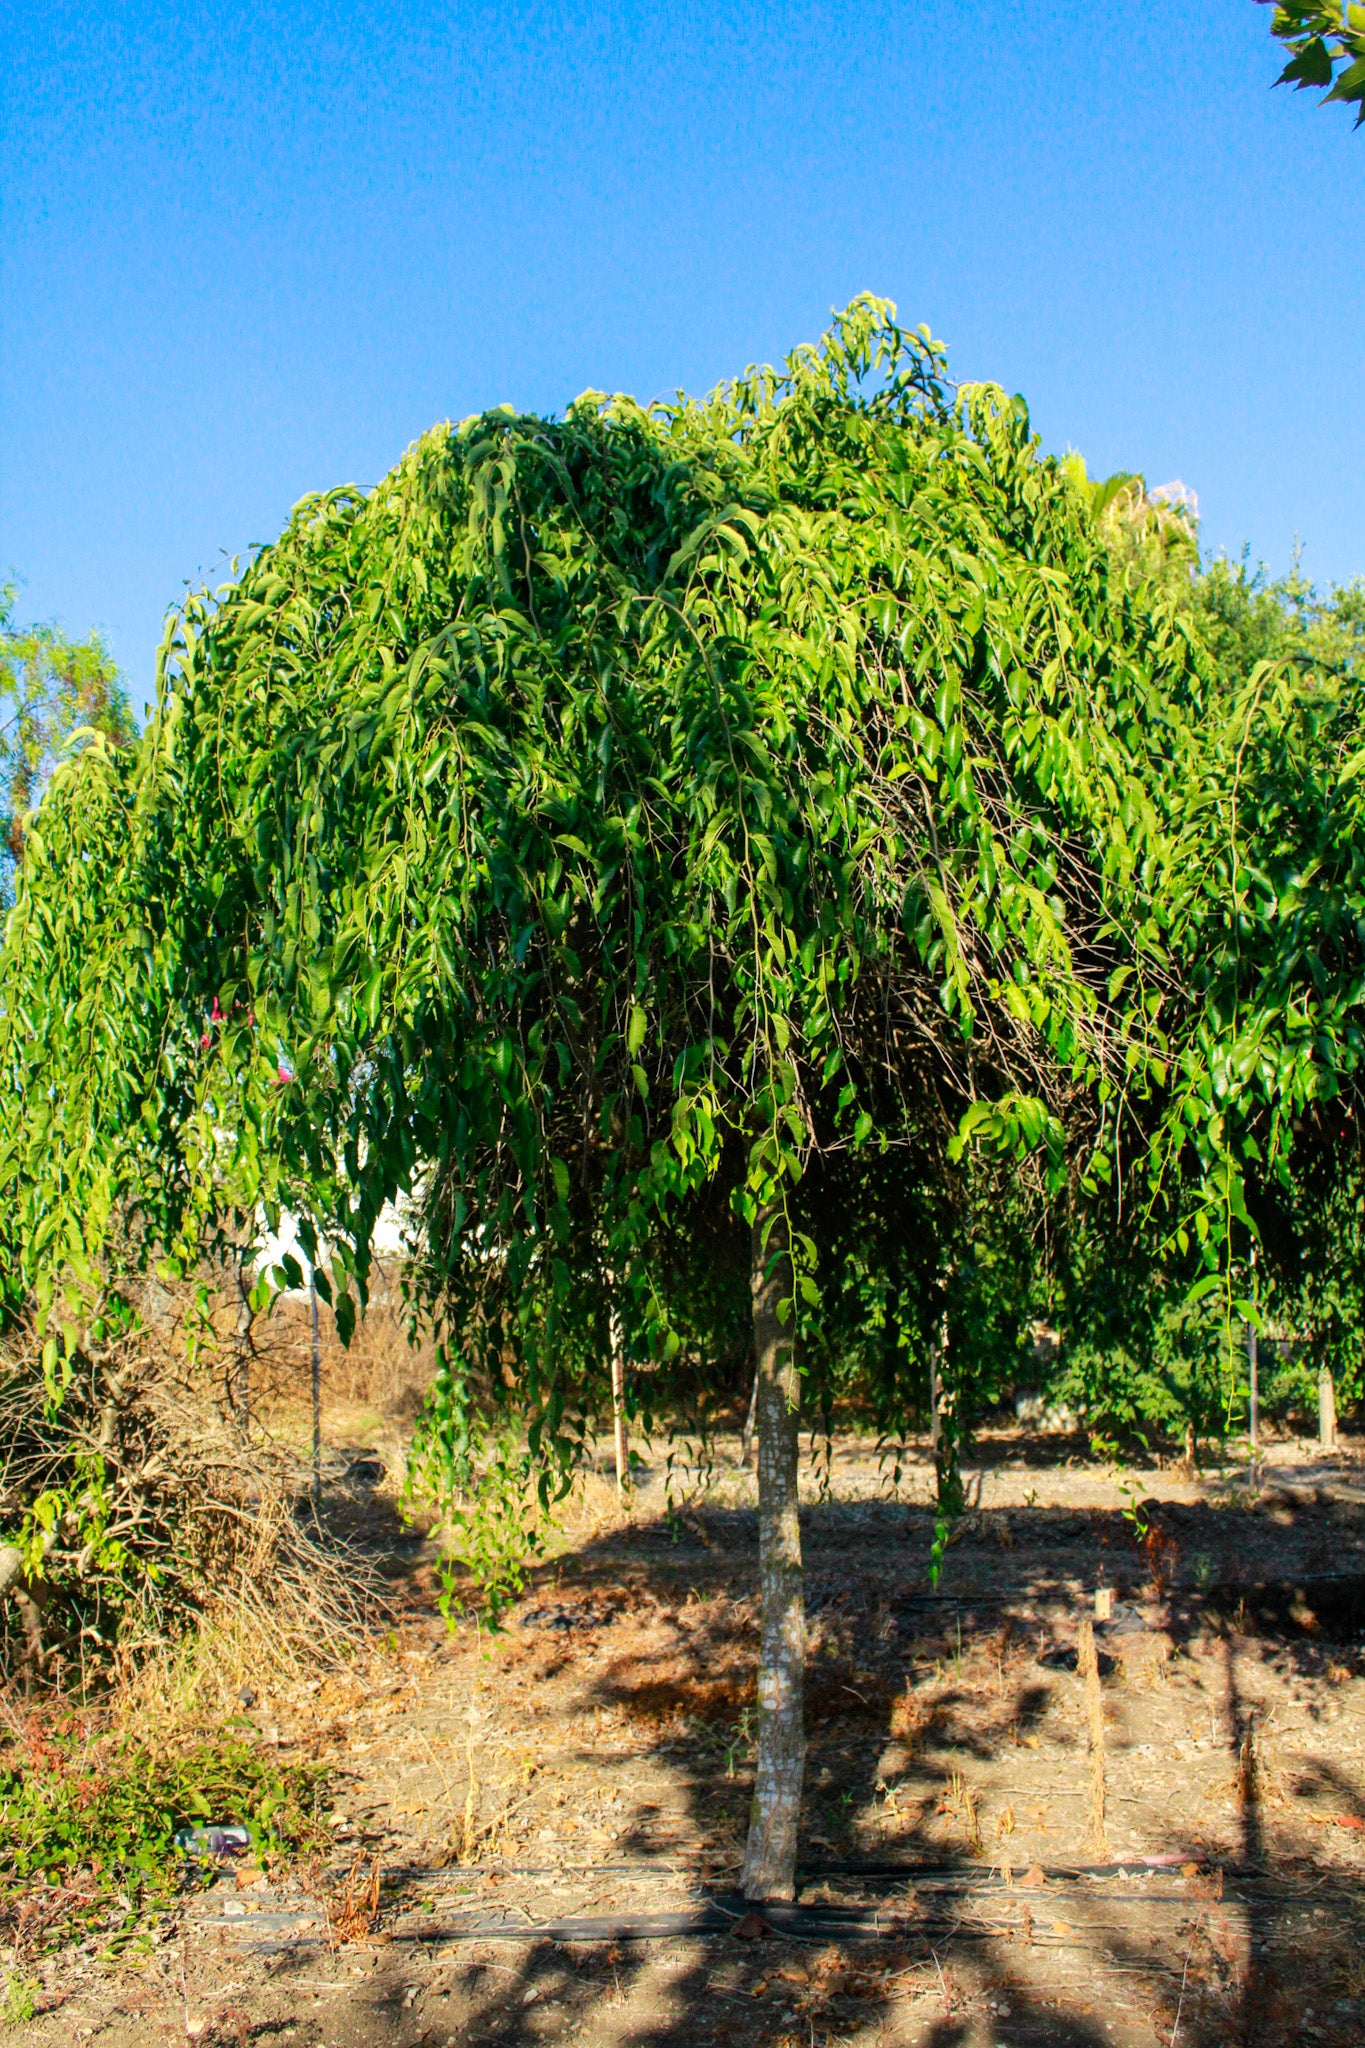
<point x="1327" y="44"/>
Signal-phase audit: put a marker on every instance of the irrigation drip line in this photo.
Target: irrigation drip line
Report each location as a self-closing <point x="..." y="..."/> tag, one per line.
<point x="793" y="1923"/>
<point x="1245" y="1884"/>
<point x="950" y="1874"/>
<point x="1068" y="1887"/>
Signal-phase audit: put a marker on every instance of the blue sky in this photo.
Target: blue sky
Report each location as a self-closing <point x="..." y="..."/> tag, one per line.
<point x="249" y="253"/>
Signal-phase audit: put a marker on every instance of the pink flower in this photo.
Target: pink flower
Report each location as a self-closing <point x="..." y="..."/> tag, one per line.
<point x="204" y="1041"/>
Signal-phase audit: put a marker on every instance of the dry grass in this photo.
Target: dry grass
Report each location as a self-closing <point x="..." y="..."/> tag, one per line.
<point x="382" y="1373"/>
<point x="909" y="1719"/>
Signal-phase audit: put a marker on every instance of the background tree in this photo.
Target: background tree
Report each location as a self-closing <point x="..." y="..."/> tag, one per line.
<point x="1271" y="817"/>
<point x="52" y="689"/>
<point x="1152" y="536"/>
<point x="1245" y="617"/>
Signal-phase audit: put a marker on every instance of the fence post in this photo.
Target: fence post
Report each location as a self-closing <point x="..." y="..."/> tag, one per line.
<point x="317" y="1389"/>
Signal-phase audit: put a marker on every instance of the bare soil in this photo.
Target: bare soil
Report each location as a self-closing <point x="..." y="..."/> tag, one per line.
<point x="537" y="1832"/>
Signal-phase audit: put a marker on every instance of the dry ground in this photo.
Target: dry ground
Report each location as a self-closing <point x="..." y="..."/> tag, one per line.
<point x="591" y="1763"/>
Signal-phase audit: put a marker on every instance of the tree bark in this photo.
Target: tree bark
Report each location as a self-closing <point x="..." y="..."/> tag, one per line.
<point x="316" y="1378"/>
<point x="774" y="1818"/>
<point x="935" y="1393"/>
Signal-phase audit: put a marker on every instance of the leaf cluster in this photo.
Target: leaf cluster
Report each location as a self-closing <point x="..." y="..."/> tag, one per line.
<point x="1326" y="41"/>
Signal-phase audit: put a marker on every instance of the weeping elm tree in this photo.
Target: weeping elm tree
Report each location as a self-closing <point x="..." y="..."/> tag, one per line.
<point x="600" y="818"/>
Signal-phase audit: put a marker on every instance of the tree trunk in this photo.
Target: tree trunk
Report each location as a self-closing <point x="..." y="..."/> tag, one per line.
<point x="618" y="1404"/>
<point x="1253" y="1376"/>
<point x="1327" y="1410"/>
<point x="770" y="1856"/>
<point x="935" y="1396"/>
<point x="317" y="1390"/>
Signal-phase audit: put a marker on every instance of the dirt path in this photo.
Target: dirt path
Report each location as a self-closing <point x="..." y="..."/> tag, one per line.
<point x="590" y="1764"/>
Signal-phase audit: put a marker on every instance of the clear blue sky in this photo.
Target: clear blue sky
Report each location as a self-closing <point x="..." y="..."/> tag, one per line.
<point x="246" y="253"/>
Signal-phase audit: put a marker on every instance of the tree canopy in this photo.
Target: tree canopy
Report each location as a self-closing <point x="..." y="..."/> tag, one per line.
<point x="687" y="849"/>
<point x="768" y="775"/>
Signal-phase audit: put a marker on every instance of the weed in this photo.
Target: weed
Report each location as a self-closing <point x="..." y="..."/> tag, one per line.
<point x="94" y="1819"/>
<point x="1108" y="1451"/>
<point x="358" y="1907"/>
<point x="740" y="1741"/>
<point x="18" y="2002"/>
<point x="889" y="1795"/>
<point x="960" y="1802"/>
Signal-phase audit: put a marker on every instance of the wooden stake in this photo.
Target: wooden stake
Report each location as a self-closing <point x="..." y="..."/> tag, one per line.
<point x="1246" y="1765"/>
<point x="1088" y="1665"/>
<point x="938" y="1352"/>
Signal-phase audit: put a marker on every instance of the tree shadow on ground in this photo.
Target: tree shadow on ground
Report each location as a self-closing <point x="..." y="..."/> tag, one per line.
<point x="1237" y="1956"/>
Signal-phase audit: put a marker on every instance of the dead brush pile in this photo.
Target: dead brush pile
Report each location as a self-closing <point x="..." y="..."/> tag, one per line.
<point x="143" y="1523"/>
